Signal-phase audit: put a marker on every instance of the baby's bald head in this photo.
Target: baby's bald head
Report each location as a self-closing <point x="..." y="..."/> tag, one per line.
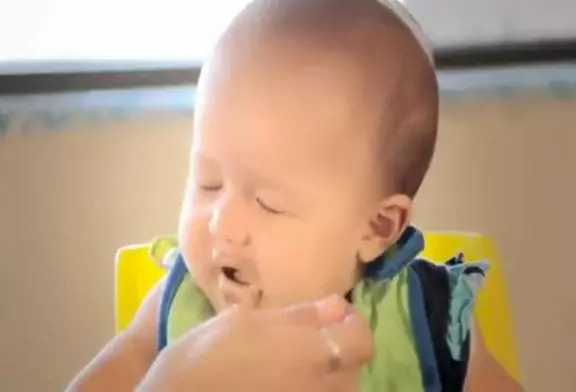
<point x="361" y="47"/>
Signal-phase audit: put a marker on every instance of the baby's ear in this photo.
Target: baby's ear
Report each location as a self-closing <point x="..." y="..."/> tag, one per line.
<point x="390" y="220"/>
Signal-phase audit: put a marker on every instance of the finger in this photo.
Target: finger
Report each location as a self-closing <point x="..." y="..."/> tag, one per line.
<point x="353" y="339"/>
<point x="300" y="315"/>
<point x="335" y="349"/>
<point x="333" y="309"/>
<point x="330" y="310"/>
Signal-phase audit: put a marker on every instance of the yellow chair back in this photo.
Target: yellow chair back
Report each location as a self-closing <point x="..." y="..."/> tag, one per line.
<point x="137" y="272"/>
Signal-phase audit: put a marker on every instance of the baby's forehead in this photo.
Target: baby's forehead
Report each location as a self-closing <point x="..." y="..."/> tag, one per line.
<point x="321" y="102"/>
<point x="308" y="93"/>
<point x="303" y="109"/>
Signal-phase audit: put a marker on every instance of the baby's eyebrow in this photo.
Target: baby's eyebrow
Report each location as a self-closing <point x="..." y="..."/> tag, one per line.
<point x="276" y="184"/>
<point x="271" y="183"/>
<point x="199" y="156"/>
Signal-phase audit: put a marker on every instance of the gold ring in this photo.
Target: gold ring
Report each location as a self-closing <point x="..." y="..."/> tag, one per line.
<point x="335" y="358"/>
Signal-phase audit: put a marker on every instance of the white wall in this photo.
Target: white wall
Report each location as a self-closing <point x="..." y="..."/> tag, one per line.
<point x="183" y="30"/>
<point x="461" y="22"/>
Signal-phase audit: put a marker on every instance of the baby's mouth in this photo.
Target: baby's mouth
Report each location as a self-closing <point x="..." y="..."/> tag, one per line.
<point x="235" y="289"/>
<point x="233" y="275"/>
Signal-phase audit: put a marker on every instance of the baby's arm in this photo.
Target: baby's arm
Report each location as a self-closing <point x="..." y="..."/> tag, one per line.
<point x="123" y="362"/>
<point x="485" y="373"/>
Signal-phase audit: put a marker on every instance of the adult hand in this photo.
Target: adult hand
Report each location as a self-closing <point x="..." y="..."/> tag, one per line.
<point x="313" y="347"/>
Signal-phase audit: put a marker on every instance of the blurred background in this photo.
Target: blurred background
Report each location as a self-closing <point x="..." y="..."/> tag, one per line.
<point x="96" y="100"/>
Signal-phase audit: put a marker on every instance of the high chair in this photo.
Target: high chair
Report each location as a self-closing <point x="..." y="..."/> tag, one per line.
<point x="137" y="272"/>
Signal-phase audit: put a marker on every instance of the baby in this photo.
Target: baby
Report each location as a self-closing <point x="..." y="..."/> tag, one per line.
<point x="315" y="125"/>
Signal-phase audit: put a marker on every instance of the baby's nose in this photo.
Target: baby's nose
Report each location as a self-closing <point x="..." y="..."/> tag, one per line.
<point x="228" y="222"/>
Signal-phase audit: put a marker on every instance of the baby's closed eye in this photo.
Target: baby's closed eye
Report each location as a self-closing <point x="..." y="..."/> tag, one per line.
<point x="210" y="187"/>
<point x="269" y="208"/>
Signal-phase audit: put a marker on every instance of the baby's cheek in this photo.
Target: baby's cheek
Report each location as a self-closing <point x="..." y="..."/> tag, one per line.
<point x="304" y="262"/>
<point x="293" y="276"/>
<point x="279" y="275"/>
<point x="195" y="245"/>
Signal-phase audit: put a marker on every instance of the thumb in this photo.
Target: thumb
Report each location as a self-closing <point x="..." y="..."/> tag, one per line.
<point x="320" y="313"/>
<point x="354" y="338"/>
<point x="333" y="309"/>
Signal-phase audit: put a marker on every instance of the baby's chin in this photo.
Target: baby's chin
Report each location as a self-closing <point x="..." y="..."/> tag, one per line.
<point x="228" y="293"/>
<point x="254" y="300"/>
